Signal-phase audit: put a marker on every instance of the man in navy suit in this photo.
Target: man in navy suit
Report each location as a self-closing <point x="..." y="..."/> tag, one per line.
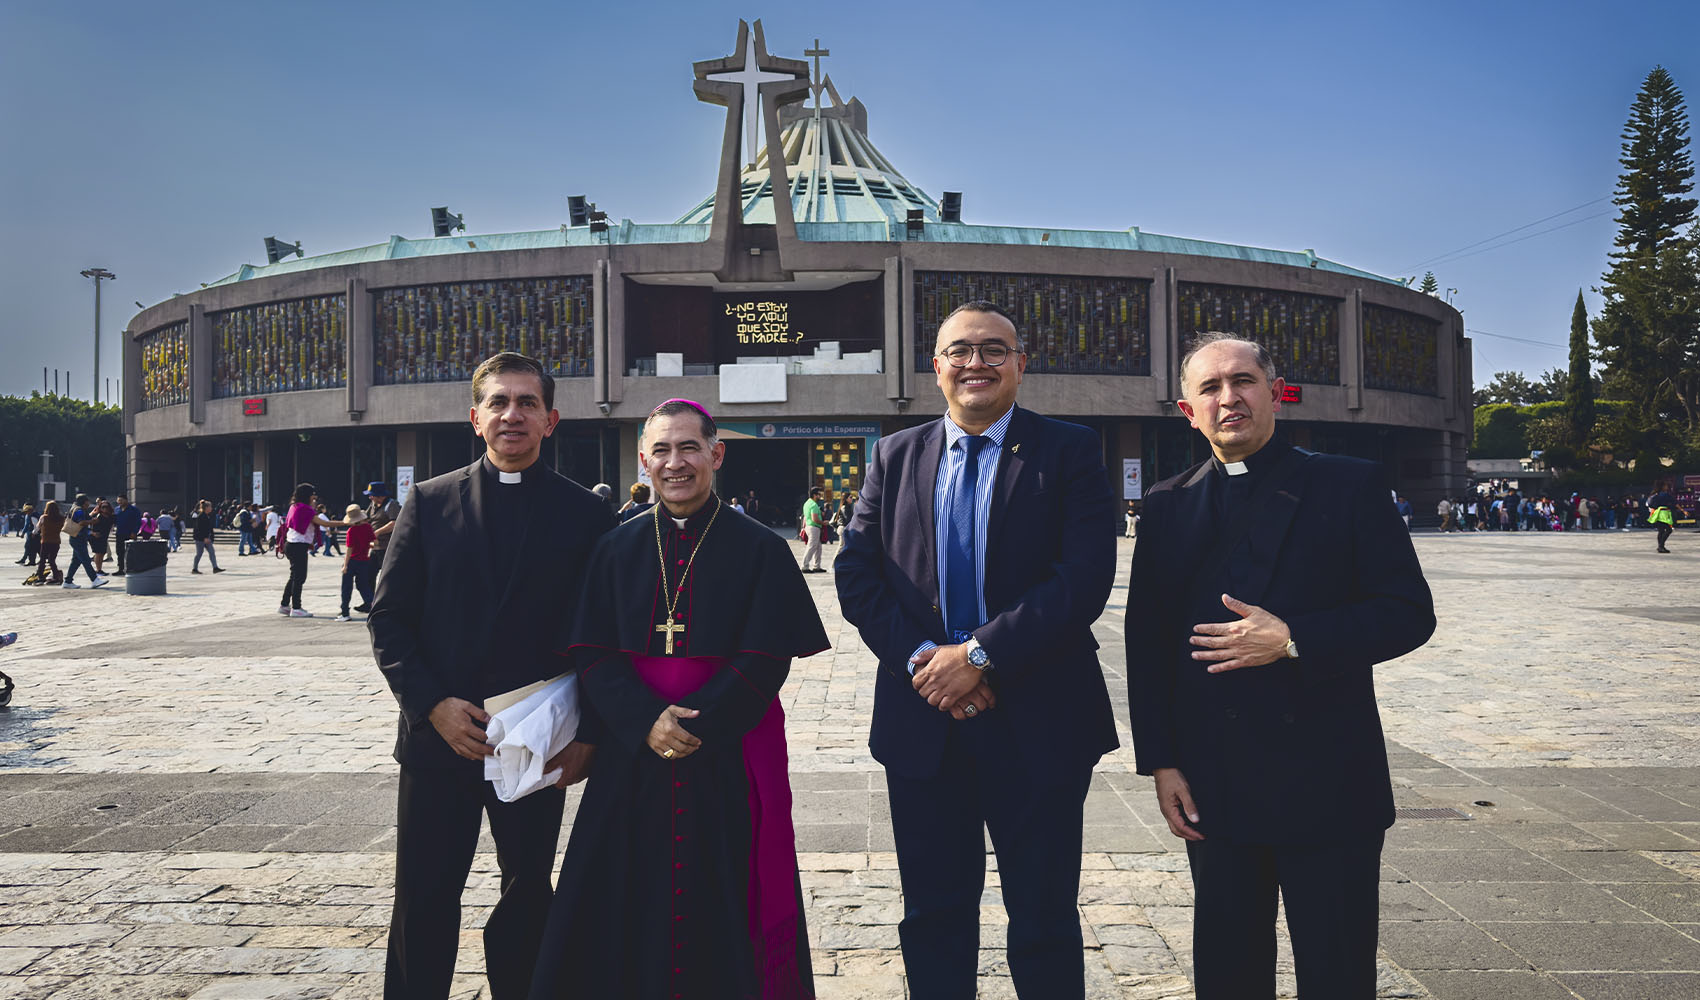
<point x="981" y="552"/>
<point x="1267" y="583"/>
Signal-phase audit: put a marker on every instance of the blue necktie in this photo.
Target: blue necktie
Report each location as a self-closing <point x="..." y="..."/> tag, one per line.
<point x="962" y="582"/>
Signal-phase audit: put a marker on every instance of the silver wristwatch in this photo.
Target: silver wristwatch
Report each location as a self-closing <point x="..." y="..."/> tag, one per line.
<point x="1292" y="650"/>
<point x="977" y="655"/>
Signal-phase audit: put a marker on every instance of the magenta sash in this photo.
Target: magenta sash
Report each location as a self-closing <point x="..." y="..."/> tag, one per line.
<point x="773" y="842"/>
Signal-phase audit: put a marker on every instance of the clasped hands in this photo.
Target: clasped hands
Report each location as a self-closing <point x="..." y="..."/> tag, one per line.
<point x="1257" y="638"/>
<point x="460" y="723"/>
<point x="950" y="683"/>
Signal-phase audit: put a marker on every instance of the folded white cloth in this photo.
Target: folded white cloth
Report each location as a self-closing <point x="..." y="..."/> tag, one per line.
<point x="527" y="734"/>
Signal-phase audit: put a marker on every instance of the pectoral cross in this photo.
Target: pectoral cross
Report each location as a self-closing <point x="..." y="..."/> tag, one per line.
<point x="670" y="628"/>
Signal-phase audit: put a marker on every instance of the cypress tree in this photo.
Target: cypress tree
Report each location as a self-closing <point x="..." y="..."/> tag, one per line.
<point x="1579" y="389"/>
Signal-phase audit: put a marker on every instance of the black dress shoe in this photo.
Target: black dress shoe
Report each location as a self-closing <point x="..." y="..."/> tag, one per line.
<point x="363" y="608"/>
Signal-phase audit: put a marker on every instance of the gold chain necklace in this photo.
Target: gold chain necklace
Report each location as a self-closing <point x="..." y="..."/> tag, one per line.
<point x="669" y="594"/>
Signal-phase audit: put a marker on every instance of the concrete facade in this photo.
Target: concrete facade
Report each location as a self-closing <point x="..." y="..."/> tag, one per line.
<point x="1422" y="436"/>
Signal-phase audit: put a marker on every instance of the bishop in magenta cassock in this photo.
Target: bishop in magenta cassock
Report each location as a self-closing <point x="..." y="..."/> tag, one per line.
<point x="680" y="880"/>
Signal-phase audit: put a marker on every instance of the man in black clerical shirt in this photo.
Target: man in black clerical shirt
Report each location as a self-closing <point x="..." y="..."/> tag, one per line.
<point x="457" y="619"/>
<point x="1266" y="584"/>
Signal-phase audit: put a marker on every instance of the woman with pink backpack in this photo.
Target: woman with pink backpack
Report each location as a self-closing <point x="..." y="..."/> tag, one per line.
<point x="295" y="541"/>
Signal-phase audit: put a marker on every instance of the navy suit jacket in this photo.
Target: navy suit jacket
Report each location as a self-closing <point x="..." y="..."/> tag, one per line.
<point x="1291" y="751"/>
<point x="1050" y="561"/>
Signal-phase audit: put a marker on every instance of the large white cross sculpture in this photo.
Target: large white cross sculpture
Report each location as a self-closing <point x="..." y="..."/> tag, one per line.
<point x="751" y="77"/>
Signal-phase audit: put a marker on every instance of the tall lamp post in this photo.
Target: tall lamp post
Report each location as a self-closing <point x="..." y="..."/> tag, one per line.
<point x="97" y="273"/>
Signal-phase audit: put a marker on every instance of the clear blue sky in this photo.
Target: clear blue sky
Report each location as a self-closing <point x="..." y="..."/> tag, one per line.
<point x="163" y="141"/>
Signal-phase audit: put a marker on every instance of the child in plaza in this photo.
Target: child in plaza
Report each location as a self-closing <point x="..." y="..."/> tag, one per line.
<point x="357" y="564"/>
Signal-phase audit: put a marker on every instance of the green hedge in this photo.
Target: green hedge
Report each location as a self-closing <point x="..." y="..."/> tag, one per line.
<point x="86" y="439"/>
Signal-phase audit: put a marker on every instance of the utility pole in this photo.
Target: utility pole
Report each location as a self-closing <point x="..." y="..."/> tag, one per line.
<point x="97" y="273"/>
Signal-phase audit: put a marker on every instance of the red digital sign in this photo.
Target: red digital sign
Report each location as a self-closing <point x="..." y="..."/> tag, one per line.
<point x="254" y="407"/>
<point x="1292" y="394"/>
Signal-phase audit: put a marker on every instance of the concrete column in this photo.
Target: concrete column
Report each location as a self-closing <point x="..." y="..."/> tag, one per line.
<point x="895" y="373"/>
<point x="200" y="363"/>
<point x="1157" y="327"/>
<point x="132" y="375"/>
<point x="610" y="313"/>
<point x="1169" y="336"/>
<point x="358" y="349"/>
<point x="1131" y="444"/>
<point x="262" y="457"/>
<point x="1446" y="381"/>
<point x="1352" y="348"/>
<point x="602" y="372"/>
<point x="407" y="448"/>
<point x="906" y="307"/>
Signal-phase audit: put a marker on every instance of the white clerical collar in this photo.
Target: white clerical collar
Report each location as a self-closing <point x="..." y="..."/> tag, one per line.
<point x="1235" y="468"/>
<point x="679" y="522"/>
<point x="508" y="477"/>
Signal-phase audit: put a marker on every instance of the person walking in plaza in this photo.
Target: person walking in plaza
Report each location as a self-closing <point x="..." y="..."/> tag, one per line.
<point x="681" y="874"/>
<point x="76" y="529"/>
<point x="357" y="563"/>
<point x="298" y="527"/>
<point x="982" y="550"/>
<point x="99" y="535"/>
<point x="1256" y="611"/>
<point x="32" y="540"/>
<point x="245" y="531"/>
<point x="201" y="524"/>
<point x="166" y="525"/>
<point x="814" y="524"/>
<point x="273" y="525"/>
<point x="462" y="613"/>
<point x="381" y="513"/>
<point x="127" y="523"/>
<point x="328" y="538"/>
<point x="1661" y="514"/>
<point x="47" y="529"/>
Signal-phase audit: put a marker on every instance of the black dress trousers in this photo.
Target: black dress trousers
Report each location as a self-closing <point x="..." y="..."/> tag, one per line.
<point x="1331" y="893"/>
<point x="438" y="816"/>
<point x="940" y="825"/>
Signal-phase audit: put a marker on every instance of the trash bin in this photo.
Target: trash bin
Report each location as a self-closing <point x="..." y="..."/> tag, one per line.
<point x="144" y="567"/>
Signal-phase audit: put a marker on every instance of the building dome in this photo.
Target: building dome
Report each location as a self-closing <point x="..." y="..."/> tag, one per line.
<point x="833" y="170"/>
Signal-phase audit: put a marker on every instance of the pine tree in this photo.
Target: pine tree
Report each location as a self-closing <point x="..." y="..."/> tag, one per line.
<point x="1648" y="334"/>
<point x="1579" y="388"/>
<point x="1430" y="286"/>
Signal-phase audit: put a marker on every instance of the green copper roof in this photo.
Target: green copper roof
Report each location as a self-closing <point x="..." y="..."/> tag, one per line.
<point x="626" y="231"/>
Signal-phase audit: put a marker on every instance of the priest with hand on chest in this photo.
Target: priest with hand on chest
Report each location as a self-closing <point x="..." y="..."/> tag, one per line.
<point x="680" y="880"/>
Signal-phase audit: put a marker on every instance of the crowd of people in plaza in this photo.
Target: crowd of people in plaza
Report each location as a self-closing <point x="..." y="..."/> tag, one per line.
<point x="97" y="530"/>
<point x="1496" y="507"/>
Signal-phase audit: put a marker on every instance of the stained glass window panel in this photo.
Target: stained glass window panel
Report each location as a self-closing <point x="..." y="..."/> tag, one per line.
<point x="441" y="333"/>
<point x="280" y="347"/>
<point x="1071" y="324"/>
<point x="165" y="366"/>
<point x="1401" y="351"/>
<point x="1302" y="332"/>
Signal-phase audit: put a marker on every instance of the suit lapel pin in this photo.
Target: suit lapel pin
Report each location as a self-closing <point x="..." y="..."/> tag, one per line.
<point x="1015" y="449"/>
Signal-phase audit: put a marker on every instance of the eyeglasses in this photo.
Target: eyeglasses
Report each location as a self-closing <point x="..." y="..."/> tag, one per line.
<point x="992" y="355"/>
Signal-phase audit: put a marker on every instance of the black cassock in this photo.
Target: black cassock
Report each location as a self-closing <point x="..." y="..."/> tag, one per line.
<point x="680" y="878"/>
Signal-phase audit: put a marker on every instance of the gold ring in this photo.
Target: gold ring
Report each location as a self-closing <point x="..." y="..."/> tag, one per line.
<point x="667" y="753"/>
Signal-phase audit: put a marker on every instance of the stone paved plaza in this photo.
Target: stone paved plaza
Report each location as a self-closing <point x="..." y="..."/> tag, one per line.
<point x="196" y="795"/>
